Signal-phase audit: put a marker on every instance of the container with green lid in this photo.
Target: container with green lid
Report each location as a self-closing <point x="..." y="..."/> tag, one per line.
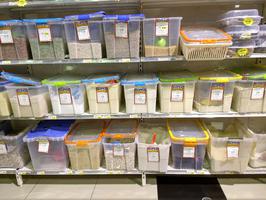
<point x="176" y="91"/>
<point x="68" y="95"/>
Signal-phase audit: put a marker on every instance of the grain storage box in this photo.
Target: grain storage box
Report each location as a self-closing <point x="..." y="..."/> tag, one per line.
<point x="161" y="36"/>
<point x="47" y="38"/>
<point x="122" y="35"/>
<point x="153" y="146"/>
<point x="46" y="145"/>
<point x="103" y="93"/>
<point x="189" y="140"/>
<point x="249" y="93"/>
<point x="230" y="145"/>
<point x="13" y="152"/>
<point x="140" y="92"/>
<point x="176" y="91"/>
<point x="204" y="43"/>
<point x="68" y="95"/>
<point x="84" y="144"/>
<point x="84" y="35"/>
<point x="214" y="91"/>
<point x="5" y="108"/>
<point x="13" y="38"/>
<point x="242" y="48"/>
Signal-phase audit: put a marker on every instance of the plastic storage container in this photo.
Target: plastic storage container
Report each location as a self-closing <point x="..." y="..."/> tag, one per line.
<point x="5" y="108"/>
<point x="13" y="37"/>
<point x="84" y="35"/>
<point x="242" y="48"/>
<point x="153" y="146"/>
<point x="68" y="95"/>
<point x="214" y="91"/>
<point x="189" y="140"/>
<point x="47" y="38"/>
<point x="161" y="36"/>
<point x="103" y="93"/>
<point x="13" y="152"/>
<point x="140" y="92"/>
<point x="249" y="93"/>
<point x="247" y="17"/>
<point x="230" y="145"/>
<point x="84" y="144"/>
<point x="204" y="43"/>
<point x="176" y="91"/>
<point x="46" y="145"/>
<point x="240" y="32"/>
<point x="261" y="40"/>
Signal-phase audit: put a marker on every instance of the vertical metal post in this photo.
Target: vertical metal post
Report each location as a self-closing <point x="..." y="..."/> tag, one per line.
<point x="143" y="179"/>
<point x="19" y="179"/>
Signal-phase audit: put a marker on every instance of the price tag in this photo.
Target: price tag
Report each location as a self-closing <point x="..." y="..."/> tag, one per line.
<point x="233" y="150"/>
<point x="3" y="149"/>
<point x="41" y="173"/>
<point x="43" y="146"/>
<point x="218" y="125"/>
<point x="140" y="95"/>
<point x="153" y="154"/>
<point x="242" y="52"/>
<point x="121" y="30"/>
<point x="44" y="33"/>
<point x="83" y="31"/>
<point x="257" y="92"/>
<point x="177" y="93"/>
<point x="248" y="21"/>
<point x="6" y="35"/>
<point x="162" y="28"/>
<point x="217" y="92"/>
<point x="245" y="36"/>
<point x="65" y="96"/>
<point x="102" y="95"/>
<point x="23" y="97"/>
<point x="118" y="150"/>
<point x="189" y="152"/>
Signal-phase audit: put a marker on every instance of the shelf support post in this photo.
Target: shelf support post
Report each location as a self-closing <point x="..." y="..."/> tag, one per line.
<point x="143" y="179"/>
<point x="19" y="179"/>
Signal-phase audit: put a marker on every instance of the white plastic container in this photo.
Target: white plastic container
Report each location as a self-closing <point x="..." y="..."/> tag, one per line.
<point x="242" y="48"/>
<point x="5" y="108"/>
<point x="140" y="92"/>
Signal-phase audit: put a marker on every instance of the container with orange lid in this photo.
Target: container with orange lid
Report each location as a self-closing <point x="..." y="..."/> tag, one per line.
<point x="189" y="140"/>
<point x="204" y="43"/>
<point x="84" y="144"/>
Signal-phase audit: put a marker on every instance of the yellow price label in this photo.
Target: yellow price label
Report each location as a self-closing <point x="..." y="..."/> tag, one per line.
<point x="248" y="21"/>
<point x="242" y="52"/>
<point x="22" y="3"/>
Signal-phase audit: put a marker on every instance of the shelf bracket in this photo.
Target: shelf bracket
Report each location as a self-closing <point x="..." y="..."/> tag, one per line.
<point x="143" y="179"/>
<point x="19" y="179"/>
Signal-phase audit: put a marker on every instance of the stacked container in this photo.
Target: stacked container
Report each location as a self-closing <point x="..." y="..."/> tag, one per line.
<point x="214" y="91"/>
<point x="122" y="35"/>
<point x="140" y="92"/>
<point x="230" y="145"/>
<point x="120" y="144"/>
<point x="47" y="38"/>
<point x="261" y="40"/>
<point x="84" y="144"/>
<point x="104" y="93"/>
<point x="68" y="95"/>
<point x="153" y="146"/>
<point x="84" y="35"/>
<point x="176" y="91"/>
<point x="161" y="36"/>
<point x="14" y="45"/>
<point x="46" y="145"/>
<point x="5" y="108"/>
<point x="189" y="140"/>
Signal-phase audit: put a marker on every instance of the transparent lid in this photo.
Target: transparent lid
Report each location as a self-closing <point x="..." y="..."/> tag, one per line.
<point x="250" y="73"/>
<point x="140" y="79"/>
<point x="181" y="76"/>
<point x="122" y="128"/>
<point x="240" y="13"/>
<point x="238" y="29"/>
<point x="219" y="76"/>
<point x="102" y="78"/>
<point x="62" y="80"/>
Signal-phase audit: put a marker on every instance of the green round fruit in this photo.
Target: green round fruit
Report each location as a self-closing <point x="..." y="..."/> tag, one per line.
<point x="161" y="42"/>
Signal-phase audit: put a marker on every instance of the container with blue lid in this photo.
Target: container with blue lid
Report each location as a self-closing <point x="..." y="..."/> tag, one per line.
<point x="122" y="35"/>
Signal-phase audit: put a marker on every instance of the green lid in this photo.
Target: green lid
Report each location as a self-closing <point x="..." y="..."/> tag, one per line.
<point x="251" y="73"/>
<point x="181" y="76"/>
<point x="219" y="76"/>
<point x="62" y="80"/>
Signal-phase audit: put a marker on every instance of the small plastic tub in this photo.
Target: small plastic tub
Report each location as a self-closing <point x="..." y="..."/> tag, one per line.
<point x="176" y="92"/>
<point x="5" y="108"/>
<point x="122" y="35"/>
<point x="47" y="38"/>
<point x="242" y="48"/>
<point x="240" y="32"/>
<point x="68" y="95"/>
<point x="214" y="91"/>
<point x="161" y="36"/>
<point x="84" y="35"/>
<point x="189" y="140"/>
<point x="140" y="92"/>
<point x="103" y="93"/>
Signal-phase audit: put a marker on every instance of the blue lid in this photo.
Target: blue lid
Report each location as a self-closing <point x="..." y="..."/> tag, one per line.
<point x="99" y="14"/>
<point x="43" y="20"/>
<point x="20" y="79"/>
<point x="140" y="79"/>
<point x="125" y="17"/>
<point x="4" y="82"/>
<point x="101" y="78"/>
<point x="9" y="22"/>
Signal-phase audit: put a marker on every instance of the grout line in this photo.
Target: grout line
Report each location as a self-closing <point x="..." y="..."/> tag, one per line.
<point x="32" y="189"/>
<point x="94" y="188"/>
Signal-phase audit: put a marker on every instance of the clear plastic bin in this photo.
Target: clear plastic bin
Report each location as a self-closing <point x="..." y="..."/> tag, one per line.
<point x="103" y="93"/>
<point x="214" y="91"/>
<point x="247" y="17"/>
<point x="239" y="32"/>
<point x="161" y="36"/>
<point x="189" y="140"/>
<point x="68" y="95"/>
<point x="153" y="146"/>
<point x="46" y="145"/>
<point x="47" y="38"/>
<point x="5" y="108"/>
<point x="14" y="45"/>
<point x="176" y="92"/>
<point x="84" y="144"/>
<point x="261" y="40"/>
<point x="204" y="43"/>
<point x="242" y="48"/>
<point x="13" y="152"/>
<point x="85" y="35"/>
<point x="140" y="92"/>
<point x="230" y="145"/>
<point x="122" y="35"/>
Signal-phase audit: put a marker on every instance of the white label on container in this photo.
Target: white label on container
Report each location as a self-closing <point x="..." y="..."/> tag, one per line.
<point x="118" y="150"/>
<point x="162" y="28"/>
<point x="245" y="36"/>
<point x="189" y="152"/>
<point x="6" y="35"/>
<point x="218" y="125"/>
<point x="3" y="149"/>
<point x="217" y="92"/>
<point x="43" y="146"/>
<point x="140" y="95"/>
<point x="23" y="97"/>
<point x="65" y="96"/>
<point x="83" y="31"/>
<point x="177" y="93"/>
<point x="121" y="30"/>
<point x="153" y="154"/>
<point x="233" y="150"/>
<point x="102" y="94"/>
<point x="257" y="92"/>
<point x="44" y="33"/>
